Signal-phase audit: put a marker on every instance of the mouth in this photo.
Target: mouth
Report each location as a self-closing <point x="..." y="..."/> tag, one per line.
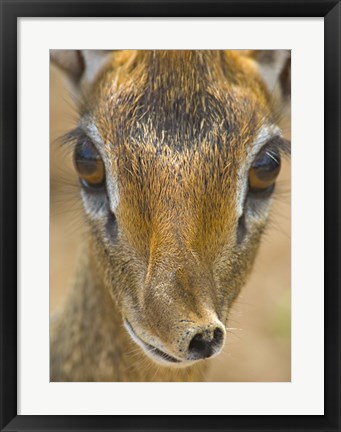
<point x="155" y="353"/>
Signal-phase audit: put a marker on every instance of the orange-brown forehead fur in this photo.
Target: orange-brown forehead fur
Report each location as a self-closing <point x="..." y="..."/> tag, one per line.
<point x="176" y="126"/>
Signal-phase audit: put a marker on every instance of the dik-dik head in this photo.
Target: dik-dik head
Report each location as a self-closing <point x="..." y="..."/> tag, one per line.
<point x="177" y="154"/>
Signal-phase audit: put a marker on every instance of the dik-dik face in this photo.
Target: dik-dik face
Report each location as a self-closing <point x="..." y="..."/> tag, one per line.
<point x="177" y="155"/>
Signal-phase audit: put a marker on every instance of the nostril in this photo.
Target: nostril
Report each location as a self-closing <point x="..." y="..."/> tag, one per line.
<point x="218" y="336"/>
<point x="199" y="348"/>
<point x="205" y="344"/>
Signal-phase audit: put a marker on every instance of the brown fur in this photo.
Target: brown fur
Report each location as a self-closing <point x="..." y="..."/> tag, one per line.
<point x="176" y="127"/>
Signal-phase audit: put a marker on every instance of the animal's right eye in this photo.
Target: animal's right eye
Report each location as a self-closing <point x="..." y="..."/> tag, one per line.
<point x="89" y="165"/>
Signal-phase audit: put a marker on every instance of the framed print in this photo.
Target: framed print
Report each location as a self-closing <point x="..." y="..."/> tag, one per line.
<point x="170" y="155"/>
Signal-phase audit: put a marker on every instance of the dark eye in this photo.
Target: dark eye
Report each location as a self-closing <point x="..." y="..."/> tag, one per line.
<point x="264" y="171"/>
<point x="89" y="165"/>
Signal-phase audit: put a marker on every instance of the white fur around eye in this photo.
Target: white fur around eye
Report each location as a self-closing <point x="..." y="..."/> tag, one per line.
<point x="111" y="178"/>
<point x="94" y="205"/>
<point x="113" y="193"/>
<point x="263" y="136"/>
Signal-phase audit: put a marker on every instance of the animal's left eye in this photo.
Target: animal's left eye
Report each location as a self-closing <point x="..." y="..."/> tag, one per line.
<point x="264" y="170"/>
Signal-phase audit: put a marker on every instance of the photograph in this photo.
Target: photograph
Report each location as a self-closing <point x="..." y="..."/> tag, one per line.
<point x="170" y="215"/>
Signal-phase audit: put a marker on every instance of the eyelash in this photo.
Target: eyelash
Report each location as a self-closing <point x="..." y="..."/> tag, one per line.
<point x="278" y="145"/>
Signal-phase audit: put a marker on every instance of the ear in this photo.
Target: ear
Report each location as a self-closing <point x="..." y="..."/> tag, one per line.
<point x="81" y="66"/>
<point x="274" y="66"/>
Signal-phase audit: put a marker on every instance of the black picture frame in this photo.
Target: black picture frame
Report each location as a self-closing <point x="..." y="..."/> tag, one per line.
<point x="10" y="11"/>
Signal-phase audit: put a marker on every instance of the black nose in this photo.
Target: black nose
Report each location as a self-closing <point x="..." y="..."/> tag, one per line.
<point x="205" y="344"/>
